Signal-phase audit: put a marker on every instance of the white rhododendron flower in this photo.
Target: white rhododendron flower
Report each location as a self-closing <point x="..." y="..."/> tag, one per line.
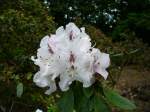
<point x="68" y="55"/>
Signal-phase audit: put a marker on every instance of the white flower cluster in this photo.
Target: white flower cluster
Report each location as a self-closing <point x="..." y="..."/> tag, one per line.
<point x="68" y="54"/>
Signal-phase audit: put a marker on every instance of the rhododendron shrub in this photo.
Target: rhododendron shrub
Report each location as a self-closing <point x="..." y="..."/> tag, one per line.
<point x="67" y="57"/>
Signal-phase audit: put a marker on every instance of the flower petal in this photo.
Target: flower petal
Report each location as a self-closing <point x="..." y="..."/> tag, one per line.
<point x="60" y="31"/>
<point x="65" y="81"/>
<point x="104" y="60"/>
<point x="40" y="80"/>
<point x="86" y="78"/>
<point x="44" y="41"/>
<point x="52" y="88"/>
<point x="72" y="27"/>
<point x="102" y="72"/>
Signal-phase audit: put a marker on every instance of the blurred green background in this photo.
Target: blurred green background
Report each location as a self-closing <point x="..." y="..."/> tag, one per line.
<point x="118" y="27"/>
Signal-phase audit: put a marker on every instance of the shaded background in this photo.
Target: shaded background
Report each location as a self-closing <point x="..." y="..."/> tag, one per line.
<point x="118" y="27"/>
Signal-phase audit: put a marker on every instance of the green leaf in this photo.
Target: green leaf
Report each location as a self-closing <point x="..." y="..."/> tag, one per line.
<point x="52" y="108"/>
<point x="100" y="104"/>
<point x="88" y="92"/>
<point x="83" y="104"/>
<point x="117" y="100"/>
<point x="66" y="102"/>
<point x="19" y="89"/>
<point x="81" y="99"/>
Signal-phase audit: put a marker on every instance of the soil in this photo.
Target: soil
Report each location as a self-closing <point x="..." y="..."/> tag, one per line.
<point x="134" y="83"/>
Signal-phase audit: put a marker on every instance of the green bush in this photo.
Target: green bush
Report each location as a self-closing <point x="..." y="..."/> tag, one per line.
<point x="136" y="24"/>
<point x="22" y="25"/>
<point x="21" y="28"/>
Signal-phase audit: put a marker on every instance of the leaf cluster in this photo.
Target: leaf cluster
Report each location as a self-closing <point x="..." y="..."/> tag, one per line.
<point x="93" y="99"/>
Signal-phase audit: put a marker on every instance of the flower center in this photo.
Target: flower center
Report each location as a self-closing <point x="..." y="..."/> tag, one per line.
<point x="72" y="71"/>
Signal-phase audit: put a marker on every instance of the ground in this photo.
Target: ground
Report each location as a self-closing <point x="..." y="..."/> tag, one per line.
<point x="134" y="83"/>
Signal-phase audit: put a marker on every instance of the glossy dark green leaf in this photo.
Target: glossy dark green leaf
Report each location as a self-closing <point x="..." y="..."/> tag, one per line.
<point x="117" y="100"/>
<point x="88" y="92"/>
<point x="19" y="89"/>
<point x="83" y="104"/>
<point x="66" y="102"/>
<point x="100" y="104"/>
<point x="80" y="99"/>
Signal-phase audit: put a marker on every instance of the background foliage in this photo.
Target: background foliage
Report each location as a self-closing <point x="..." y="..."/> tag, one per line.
<point x="22" y="24"/>
<point x="118" y="27"/>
